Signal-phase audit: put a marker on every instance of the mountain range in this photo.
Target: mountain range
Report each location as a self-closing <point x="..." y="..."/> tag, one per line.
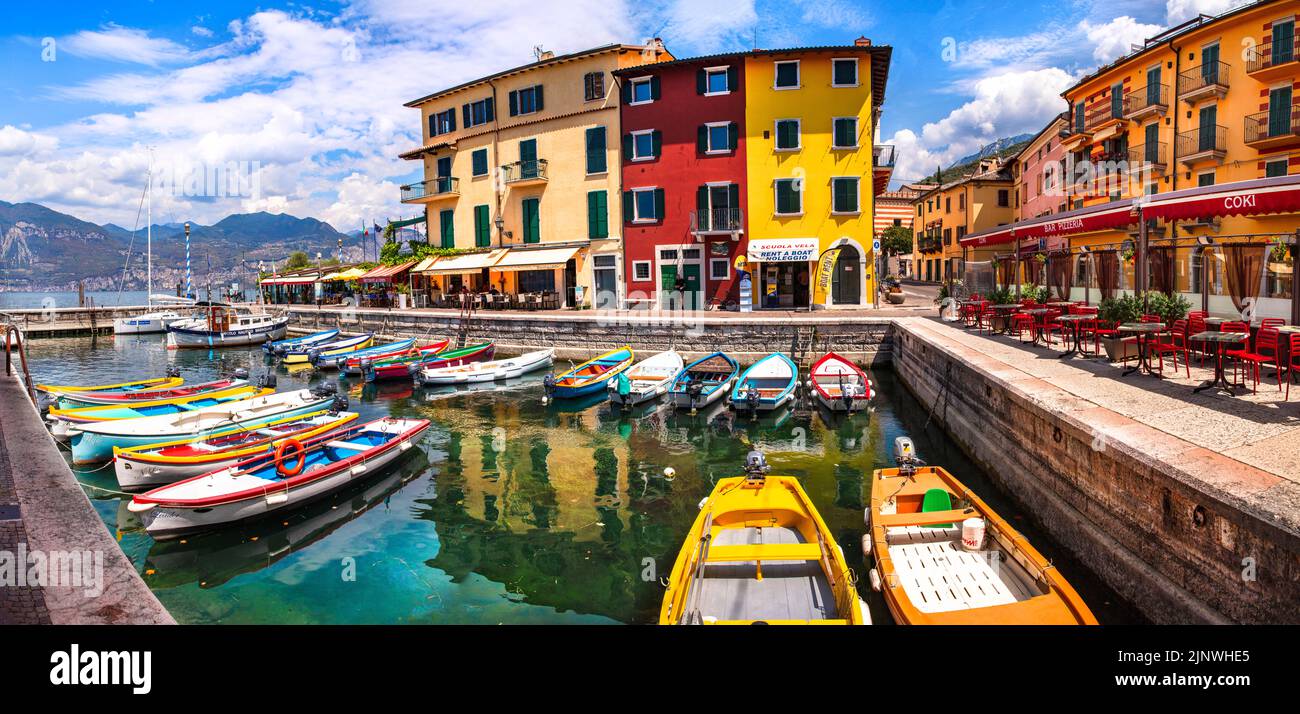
<point x="43" y="249"/>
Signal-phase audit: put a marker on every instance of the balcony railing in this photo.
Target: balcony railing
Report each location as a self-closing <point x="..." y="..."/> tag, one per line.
<point x="1203" y="80"/>
<point x="1100" y="113"/>
<point x="717" y="220"/>
<point x="1268" y="55"/>
<point x="433" y="188"/>
<point x="1151" y="99"/>
<point x="1269" y="128"/>
<point x="521" y="171"/>
<point x="1151" y="156"/>
<point x="885" y="155"/>
<point x="930" y="243"/>
<point x="1205" y="142"/>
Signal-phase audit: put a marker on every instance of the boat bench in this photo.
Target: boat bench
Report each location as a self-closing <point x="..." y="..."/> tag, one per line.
<point x="932" y="518"/>
<point x="347" y="445"/>
<point x="766" y="551"/>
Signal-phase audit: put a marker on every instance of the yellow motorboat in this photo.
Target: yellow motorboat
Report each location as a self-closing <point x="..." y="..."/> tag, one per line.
<point x="943" y="557"/>
<point x="760" y="553"/>
<point x="155" y="407"/>
<point x="136" y="386"/>
<point x="315" y="354"/>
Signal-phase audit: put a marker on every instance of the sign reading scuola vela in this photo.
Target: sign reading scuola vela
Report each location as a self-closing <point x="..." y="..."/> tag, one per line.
<point x="783" y="250"/>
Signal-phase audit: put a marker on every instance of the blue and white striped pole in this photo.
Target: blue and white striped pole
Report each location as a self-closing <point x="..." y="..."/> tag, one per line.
<point x="189" y="285"/>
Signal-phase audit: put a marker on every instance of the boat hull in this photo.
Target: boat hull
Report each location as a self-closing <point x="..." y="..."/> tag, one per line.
<point x="326" y="351"/>
<point x="504" y="369"/>
<point x="145" y="324"/>
<point x="405" y="370"/>
<point x="281" y="346"/>
<point x="99" y="399"/>
<point x="185" y="338"/>
<point x="596" y="383"/>
<point x="682" y="400"/>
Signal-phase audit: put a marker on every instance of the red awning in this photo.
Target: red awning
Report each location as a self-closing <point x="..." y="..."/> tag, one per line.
<point x="994" y="236"/>
<point x="1106" y="216"/>
<point x="385" y="273"/>
<point x="1280" y="194"/>
<point x="291" y="280"/>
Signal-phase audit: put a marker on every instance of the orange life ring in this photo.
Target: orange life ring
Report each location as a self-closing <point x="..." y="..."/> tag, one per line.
<point x="299" y="453"/>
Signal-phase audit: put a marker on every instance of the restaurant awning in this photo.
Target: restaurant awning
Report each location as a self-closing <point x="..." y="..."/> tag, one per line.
<point x="424" y="265"/>
<point x="1106" y="216"/>
<point x="290" y="280"/>
<point x="349" y="274"/>
<point x="1280" y="194"/>
<point x="469" y="263"/>
<point x="385" y="273"/>
<point x="543" y="259"/>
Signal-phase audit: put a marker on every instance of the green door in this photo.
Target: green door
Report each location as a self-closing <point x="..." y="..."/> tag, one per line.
<point x="1283" y="42"/>
<point x="1151" y="148"/>
<point x="532" y="213"/>
<point x="1209" y="127"/>
<point x="1210" y="64"/>
<point x="689" y="299"/>
<point x="1153" y="86"/>
<point x="667" y="284"/>
<point x="1279" y="111"/>
<point x="528" y="158"/>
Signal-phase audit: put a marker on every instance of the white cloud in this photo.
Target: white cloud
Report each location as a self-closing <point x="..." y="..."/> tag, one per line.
<point x="201" y="31"/>
<point x="1116" y="38"/>
<point x="718" y="26"/>
<point x="123" y="44"/>
<point x="1179" y="11"/>
<point x="16" y="142"/>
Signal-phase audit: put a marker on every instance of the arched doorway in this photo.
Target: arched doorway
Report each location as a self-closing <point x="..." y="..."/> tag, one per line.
<point x="846" y="280"/>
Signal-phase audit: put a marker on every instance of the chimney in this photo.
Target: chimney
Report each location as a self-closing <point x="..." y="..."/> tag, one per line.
<point x="862" y="42"/>
<point x="546" y="54"/>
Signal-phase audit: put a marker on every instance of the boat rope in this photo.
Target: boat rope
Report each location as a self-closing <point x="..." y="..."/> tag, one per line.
<point x="101" y="489"/>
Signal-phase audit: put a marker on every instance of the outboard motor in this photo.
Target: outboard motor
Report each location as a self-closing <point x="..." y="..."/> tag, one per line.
<point x="905" y="456"/>
<point x="694" y="390"/>
<point x="239" y="373"/>
<point x="756" y="468"/>
<point x="266" y="381"/>
<point x="548" y="385"/>
<point x="752" y="398"/>
<point x="325" y="389"/>
<point x="339" y="404"/>
<point x="846" y="395"/>
<point x="173" y="371"/>
<point x="414" y="370"/>
<point x="313" y="355"/>
<point x="623" y="386"/>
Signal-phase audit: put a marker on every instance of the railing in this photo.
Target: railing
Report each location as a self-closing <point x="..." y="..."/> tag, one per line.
<point x="534" y="170"/>
<point x="440" y="186"/>
<point x="1262" y="57"/>
<point x="717" y="220"/>
<point x="1144" y="155"/>
<point x="885" y="156"/>
<point x="1262" y="126"/>
<point x="929" y="243"/>
<point x="10" y="332"/>
<point x="1202" y="76"/>
<point x="1148" y="97"/>
<point x="1099" y="114"/>
<point x="1199" y="141"/>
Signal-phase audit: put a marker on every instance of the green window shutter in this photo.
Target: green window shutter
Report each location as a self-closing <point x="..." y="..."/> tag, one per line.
<point x="447" y="228"/>
<point x="596" y="150"/>
<point x="733" y="196"/>
<point x="627" y="92"/>
<point x="733" y="135"/>
<point x="532" y="220"/>
<point x="702" y="138"/>
<point x="702" y="198"/>
<point x="537" y="92"/>
<point x="627" y="207"/>
<point x="659" y="204"/>
<point x="597" y="215"/>
<point x="733" y="78"/>
<point x="480" y="162"/>
<point x="654" y="87"/>
<point x="627" y="147"/>
<point x="482" y="226"/>
<point x="657" y="143"/>
<point x="514" y="103"/>
<point x="465" y="115"/>
<point x="490" y="111"/>
<point x="701" y="81"/>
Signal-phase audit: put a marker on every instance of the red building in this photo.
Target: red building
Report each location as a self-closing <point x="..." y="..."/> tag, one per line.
<point x="684" y="171"/>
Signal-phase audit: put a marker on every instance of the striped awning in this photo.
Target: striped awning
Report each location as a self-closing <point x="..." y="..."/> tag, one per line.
<point x="290" y="280"/>
<point x="469" y="263"/>
<point x="424" y="265"/>
<point x="349" y="274"/>
<point x="386" y="273"/>
<point x="542" y="259"/>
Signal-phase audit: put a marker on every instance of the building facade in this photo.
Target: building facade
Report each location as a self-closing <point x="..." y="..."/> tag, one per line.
<point x="946" y="214"/>
<point x="898" y="209"/>
<point x="525" y="164"/>
<point x="1038" y="171"/>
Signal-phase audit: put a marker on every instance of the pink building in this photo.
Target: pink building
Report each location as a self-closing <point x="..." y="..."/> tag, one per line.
<point x="1040" y="174"/>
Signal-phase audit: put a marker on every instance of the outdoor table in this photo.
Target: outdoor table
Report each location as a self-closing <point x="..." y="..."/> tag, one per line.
<point x="1038" y="333"/>
<point x="1220" y="340"/>
<point x="1004" y="313"/>
<point x="969" y="309"/>
<point x="1284" y="333"/>
<point x="1074" y="322"/>
<point x="1144" y="331"/>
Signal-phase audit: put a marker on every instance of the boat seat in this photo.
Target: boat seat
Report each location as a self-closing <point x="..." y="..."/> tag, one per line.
<point x="765" y="551"/>
<point x="347" y="445"/>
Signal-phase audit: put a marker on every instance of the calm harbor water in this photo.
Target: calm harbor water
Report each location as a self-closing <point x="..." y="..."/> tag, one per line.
<point x="103" y="298"/>
<point x="511" y="511"/>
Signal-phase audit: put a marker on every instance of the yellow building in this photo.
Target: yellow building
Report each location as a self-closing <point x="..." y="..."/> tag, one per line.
<point x="946" y="214"/>
<point x="525" y="163"/>
<point x="810" y="122"/>
<point x="1207" y="103"/>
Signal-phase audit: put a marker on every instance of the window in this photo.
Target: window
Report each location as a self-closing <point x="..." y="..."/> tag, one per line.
<point x="479" y="163"/>
<point x="789" y="197"/>
<point x="641" y="270"/>
<point x="898" y="223"/>
<point x="532" y="210"/>
<point x="482" y="226"/>
<point x="643" y="145"/>
<point x="787" y="135"/>
<point x="716" y="81"/>
<point x="1205" y="179"/>
<point x="719" y="269"/>
<point x="1004" y="198"/>
<point x="846" y="133"/>
<point x="526" y="101"/>
<point x="718" y="137"/>
<point x="844" y="73"/>
<point x="597" y="215"/>
<point x="596" y="150"/>
<point x="1277" y="167"/>
<point x="476" y="113"/>
<point x="593" y="86"/>
<point x="961" y="201"/>
<point x="947" y="204"/>
<point x="844" y="194"/>
<point x="641" y="90"/>
<point x="447" y="228"/>
<point x="442" y="122"/>
<point x="787" y="75"/>
<point x="947" y="236"/>
<point x="644" y="205"/>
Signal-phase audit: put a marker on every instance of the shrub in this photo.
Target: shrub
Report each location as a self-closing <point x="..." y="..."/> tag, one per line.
<point x="1122" y="309"/>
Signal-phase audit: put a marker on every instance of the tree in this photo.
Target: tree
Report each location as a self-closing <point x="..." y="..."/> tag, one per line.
<point x="896" y="240"/>
<point x="297" y="259"/>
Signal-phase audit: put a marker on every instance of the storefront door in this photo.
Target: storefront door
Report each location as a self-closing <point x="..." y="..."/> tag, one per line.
<point x="846" y="281"/>
<point x="784" y="286"/>
<point x="689" y="296"/>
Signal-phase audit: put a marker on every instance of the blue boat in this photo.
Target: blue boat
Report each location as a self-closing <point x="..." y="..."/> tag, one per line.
<point x="339" y="361"/>
<point x="704" y="381"/>
<point x="768" y="384"/>
<point x="591" y="376"/>
<point x="315" y="338"/>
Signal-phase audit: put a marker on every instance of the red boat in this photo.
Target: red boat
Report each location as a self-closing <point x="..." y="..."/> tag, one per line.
<point x="404" y="368"/>
<point x="839" y="384"/>
<point x="94" y="399"/>
<point x="424" y="351"/>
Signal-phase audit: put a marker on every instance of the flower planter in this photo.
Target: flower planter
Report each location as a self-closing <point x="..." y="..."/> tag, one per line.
<point x="1119" y="349"/>
<point x="894" y="298"/>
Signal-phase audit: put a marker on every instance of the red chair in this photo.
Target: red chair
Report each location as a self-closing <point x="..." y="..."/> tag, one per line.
<point x="1195" y="326"/>
<point x="1236" y="354"/>
<point x="1293" y="363"/>
<point x="1088" y="331"/>
<point x="1152" y="318"/>
<point x="1048" y="324"/>
<point x="1267" y="351"/>
<point x="1020" y="324"/>
<point x="1272" y="322"/>
<point x="1177" y="343"/>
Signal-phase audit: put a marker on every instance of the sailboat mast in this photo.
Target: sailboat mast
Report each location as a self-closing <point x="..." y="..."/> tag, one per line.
<point x="148" y="231"/>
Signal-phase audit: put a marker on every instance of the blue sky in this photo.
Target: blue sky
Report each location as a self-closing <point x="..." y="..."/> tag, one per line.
<point x="309" y="95"/>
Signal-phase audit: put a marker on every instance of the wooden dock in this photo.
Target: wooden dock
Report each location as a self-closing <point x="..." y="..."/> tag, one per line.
<point x="68" y="321"/>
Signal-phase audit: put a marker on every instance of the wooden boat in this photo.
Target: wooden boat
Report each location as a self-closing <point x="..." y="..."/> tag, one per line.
<point x="647" y="380"/>
<point x="351" y="363"/>
<point x="497" y="370"/>
<point x="839" y="385"/>
<point x="123" y="387"/>
<point x="93" y="442"/>
<point x="447" y="358"/>
<point x="170" y="461"/>
<point x="295" y="473"/>
<point x="704" y="381"/>
<point x="395" y="366"/>
<point x="943" y="557"/>
<point x="222" y="326"/>
<point x="310" y="354"/>
<point x="760" y="552"/>
<point x="279" y="347"/>
<point x="768" y="384"/>
<point x="75" y="400"/>
<point x="591" y="376"/>
<point x="156" y="407"/>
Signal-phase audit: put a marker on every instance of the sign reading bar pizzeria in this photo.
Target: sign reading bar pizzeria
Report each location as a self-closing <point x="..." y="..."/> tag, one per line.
<point x="783" y="250"/>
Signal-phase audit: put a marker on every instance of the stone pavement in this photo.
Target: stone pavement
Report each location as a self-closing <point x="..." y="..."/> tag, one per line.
<point x="18" y="605"/>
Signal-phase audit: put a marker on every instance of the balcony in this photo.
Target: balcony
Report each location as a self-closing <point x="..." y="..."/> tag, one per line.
<point x="1202" y="81"/>
<point x="433" y="190"/>
<point x="717" y="220"/>
<point x="1270" y="60"/>
<point x="1206" y="143"/>
<point x="525" y="173"/>
<point x="1264" y="131"/>
<point x="1101" y="115"/>
<point x="930" y="243"/>
<point x="883" y="158"/>
<point x="1151" y="100"/>
<point x="1152" y="157"/>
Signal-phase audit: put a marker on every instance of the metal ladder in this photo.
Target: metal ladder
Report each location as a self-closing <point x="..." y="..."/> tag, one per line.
<point x="11" y="330"/>
<point x="802" y="344"/>
<point x="465" y="320"/>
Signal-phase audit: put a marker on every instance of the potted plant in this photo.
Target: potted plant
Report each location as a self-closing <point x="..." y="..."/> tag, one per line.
<point x="1117" y="311"/>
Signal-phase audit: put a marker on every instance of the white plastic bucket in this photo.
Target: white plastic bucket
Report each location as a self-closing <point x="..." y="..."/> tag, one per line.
<point x="972" y="534"/>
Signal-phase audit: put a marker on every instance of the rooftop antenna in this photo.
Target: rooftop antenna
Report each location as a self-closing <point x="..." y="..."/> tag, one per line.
<point x="538" y="52"/>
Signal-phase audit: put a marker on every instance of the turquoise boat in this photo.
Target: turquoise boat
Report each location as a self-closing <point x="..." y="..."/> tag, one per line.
<point x="767" y="385"/>
<point x="316" y="338"/>
<point x="339" y="361"/>
<point x="591" y="376"/>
